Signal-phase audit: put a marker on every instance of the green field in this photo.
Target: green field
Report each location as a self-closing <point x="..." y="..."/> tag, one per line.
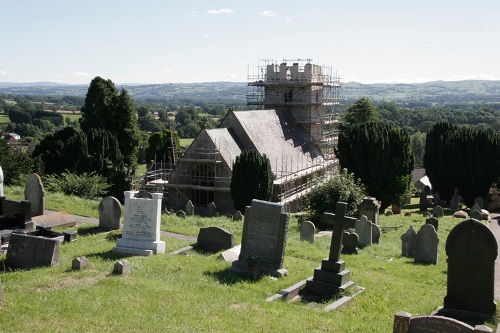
<point x="4" y="118"/>
<point x="186" y="142"/>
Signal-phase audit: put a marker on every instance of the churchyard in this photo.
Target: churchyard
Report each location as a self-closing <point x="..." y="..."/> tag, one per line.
<point x="196" y="292"/>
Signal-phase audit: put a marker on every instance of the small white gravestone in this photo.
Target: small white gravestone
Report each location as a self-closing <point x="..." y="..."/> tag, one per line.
<point x="35" y="193"/>
<point x="307" y="231"/>
<point x="364" y="230"/>
<point x="141" y="226"/>
<point x="1" y="182"/>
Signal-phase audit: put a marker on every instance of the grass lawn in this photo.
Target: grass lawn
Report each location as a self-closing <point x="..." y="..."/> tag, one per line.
<point x="4" y="118"/>
<point x="196" y="293"/>
<point x="186" y="142"/>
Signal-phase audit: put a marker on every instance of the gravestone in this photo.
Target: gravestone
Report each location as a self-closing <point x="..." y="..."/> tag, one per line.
<point x="26" y="251"/>
<point x="438" y="211"/>
<point x="35" y="193"/>
<point x="434" y="221"/>
<point x="307" y="231"/>
<point x="427" y="214"/>
<point x="265" y="230"/>
<point x="369" y="207"/>
<point x="350" y="242"/>
<point x="189" y="208"/>
<point x="423" y="203"/>
<point x="1" y="182"/>
<point x="143" y="195"/>
<point x="396" y="209"/>
<point x="122" y="267"/>
<point x="80" y="263"/>
<point x="472" y="250"/>
<point x="110" y="213"/>
<point x="426" y="245"/>
<point x="231" y="255"/>
<point x="214" y="239"/>
<point x="237" y="216"/>
<point x="436" y="199"/>
<point x="181" y="214"/>
<point x="480" y="202"/>
<point x="475" y="214"/>
<point x="332" y="277"/>
<point x="375" y="234"/>
<point x="141" y="226"/>
<point x="405" y="323"/>
<point x="212" y="209"/>
<point x="57" y="219"/>
<point x="461" y="214"/>
<point x="408" y="243"/>
<point x="455" y="201"/>
<point x="364" y="230"/>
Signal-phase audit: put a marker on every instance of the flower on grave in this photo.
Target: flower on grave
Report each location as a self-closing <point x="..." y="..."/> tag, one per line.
<point x="251" y="259"/>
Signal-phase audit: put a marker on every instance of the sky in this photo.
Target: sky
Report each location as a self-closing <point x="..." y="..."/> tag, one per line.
<point x="167" y="41"/>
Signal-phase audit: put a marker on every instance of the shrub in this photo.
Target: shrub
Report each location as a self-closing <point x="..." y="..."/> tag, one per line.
<point x="341" y="187"/>
<point x="85" y="185"/>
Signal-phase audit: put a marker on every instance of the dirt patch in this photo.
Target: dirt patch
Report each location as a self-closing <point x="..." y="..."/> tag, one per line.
<point x="72" y="281"/>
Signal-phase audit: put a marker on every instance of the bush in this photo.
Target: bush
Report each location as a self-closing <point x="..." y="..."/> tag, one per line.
<point x="87" y="186"/>
<point x="342" y="187"/>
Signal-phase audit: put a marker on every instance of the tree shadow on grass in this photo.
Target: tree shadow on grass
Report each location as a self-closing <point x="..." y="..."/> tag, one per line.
<point x="228" y="277"/>
<point x="93" y="230"/>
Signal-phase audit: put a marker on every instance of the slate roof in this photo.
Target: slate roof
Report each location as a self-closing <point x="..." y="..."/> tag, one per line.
<point x="226" y="143"/>
<point x="274" y="134"/>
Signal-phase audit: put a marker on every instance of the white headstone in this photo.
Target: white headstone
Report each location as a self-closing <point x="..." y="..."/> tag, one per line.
<point x="307" y="231"/>
<point x="1" y="182"/>
<point x="110" y="213"/>
<point x="141" y="226"/>
<point x="364" y="230"/>
<point x="35" y="193"/>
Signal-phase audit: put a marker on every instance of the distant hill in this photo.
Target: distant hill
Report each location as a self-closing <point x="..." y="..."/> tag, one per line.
<point x="438" y="92"/>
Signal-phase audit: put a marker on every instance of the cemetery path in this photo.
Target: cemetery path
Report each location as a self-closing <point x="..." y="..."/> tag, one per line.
<point x="85" y="219"/>
<point x="494" y="224"/>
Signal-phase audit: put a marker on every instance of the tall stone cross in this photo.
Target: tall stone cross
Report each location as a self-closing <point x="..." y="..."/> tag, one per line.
<point x="339" y="220"/>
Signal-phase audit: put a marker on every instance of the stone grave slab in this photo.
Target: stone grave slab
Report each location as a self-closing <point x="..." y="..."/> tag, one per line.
<point x="53" y="220"/>
<point x="26" y="251"/>
<point x="237" y="216"/>
<point x="350" y="242"/>
<point x="122" y="267"/>
<point x="231" y="255"/>
<point x="472" y="250"/>
<point x="110" y="213"/>
<point x="455" y="201"/>
<point x="141" y="227"/>
<point x="265" y="231"/>
<point x="35" y="193"/>
<point x="80" y="263"/>
<point x="364" y="230"/>
<point x="307" y="231"/>
<point x="434" y="221"/>
<point x="189" y="208"/>
<point x="437" y="211"/>
<point x="332" y="277"/>
<point x="408" y="243"/>
<point x="375" y="234"/>
<point x="15" y="213"/>
<point x="480" y="202"/>
<point x="476" y="214"/>
<point x="426" y="245"/>
<point x="369" y="207"/>
<point x="212" y="209"/>
<point x="405" y="323"/>
<point x="214" y="239"/>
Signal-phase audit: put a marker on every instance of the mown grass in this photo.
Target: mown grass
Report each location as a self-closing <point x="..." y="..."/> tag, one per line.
<point x="186" y="142"/>
<point x="4" y="118"/>
<point x="196" y="293"/>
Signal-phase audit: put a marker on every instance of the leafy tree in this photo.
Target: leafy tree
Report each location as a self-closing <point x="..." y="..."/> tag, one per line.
<point x="361" y="111"/>
<point x="418" y="144"/>
<point x="381" y="156"/>
<point x="463" y="158"/>
<point x="252" y="179"/>
<point x="341" y="187"/>
<point x="160" y="146"/>
<point x="16" y="163"/>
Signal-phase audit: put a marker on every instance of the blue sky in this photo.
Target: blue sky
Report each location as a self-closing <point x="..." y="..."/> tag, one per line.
<point x="160" y="41"/>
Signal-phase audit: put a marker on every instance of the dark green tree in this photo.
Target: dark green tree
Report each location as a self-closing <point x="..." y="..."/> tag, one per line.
<point x="252" y="179"/>
<point x="463" y="158"/>
<point x="361" y="111"/>
<point x="161" y="145"/>
<point x="16" y="163"/>
<point x="381" y="156"/>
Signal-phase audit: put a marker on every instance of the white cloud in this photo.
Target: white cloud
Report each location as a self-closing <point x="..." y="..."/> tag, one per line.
<point x="268" y="13"/>
<point x="221" y="11"/>
<point x="229" y="77"/>
<point x="5" y="73"/>
<point x="473" y="77"/>
<point x="206" y="36"/>
<point x="79" y="75"/>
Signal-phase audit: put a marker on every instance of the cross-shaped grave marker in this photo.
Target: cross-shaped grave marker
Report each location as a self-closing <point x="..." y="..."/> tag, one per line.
<point x="331" y="277"/>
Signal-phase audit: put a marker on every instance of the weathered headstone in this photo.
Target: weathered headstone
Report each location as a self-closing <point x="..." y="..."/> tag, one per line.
<point x="461" y="214"/>
<point x="27" y="251"/>
<point x="80" y="263"/>
<point x="231" y="255"/>
<point x="364" y="230"/>
<point x="423" y="203"/>
<point x="307" y="231"/>
<point x="265" y="230"/>
<point x="455" y="200"/>
<point x="189" y="208"/>
<point x="35" y="193"/>
<point x="436" y="199"/>
<point x="476" y="214"/>
<point x="350" y="242"/>
<point x="332" y="277"/>
<point x="141" y="226"/>
<point x="214" y="239"/>
<point x="434" y="221"/>
<point x="405" y="323"/>
<point x="369" y="207"/>
<point x="408" y="243"/>
<point x="480" y="202"/>
<point x="476" y="207"/>
<point x="438" y="211"/>
<point x="212" y="209"/>
<point x="237" y="216"/>
<point x="1" y="182"/>
<point x="396" y="209"/>
<point x="181" y="214"/>
<point x="426" y="245"/>
<point x="472" y="250"/>
<point x="122" y="267"/>
<point x="110" y="213"/>
<point x="375" y="234"/>
<point x="427" y="214"/>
